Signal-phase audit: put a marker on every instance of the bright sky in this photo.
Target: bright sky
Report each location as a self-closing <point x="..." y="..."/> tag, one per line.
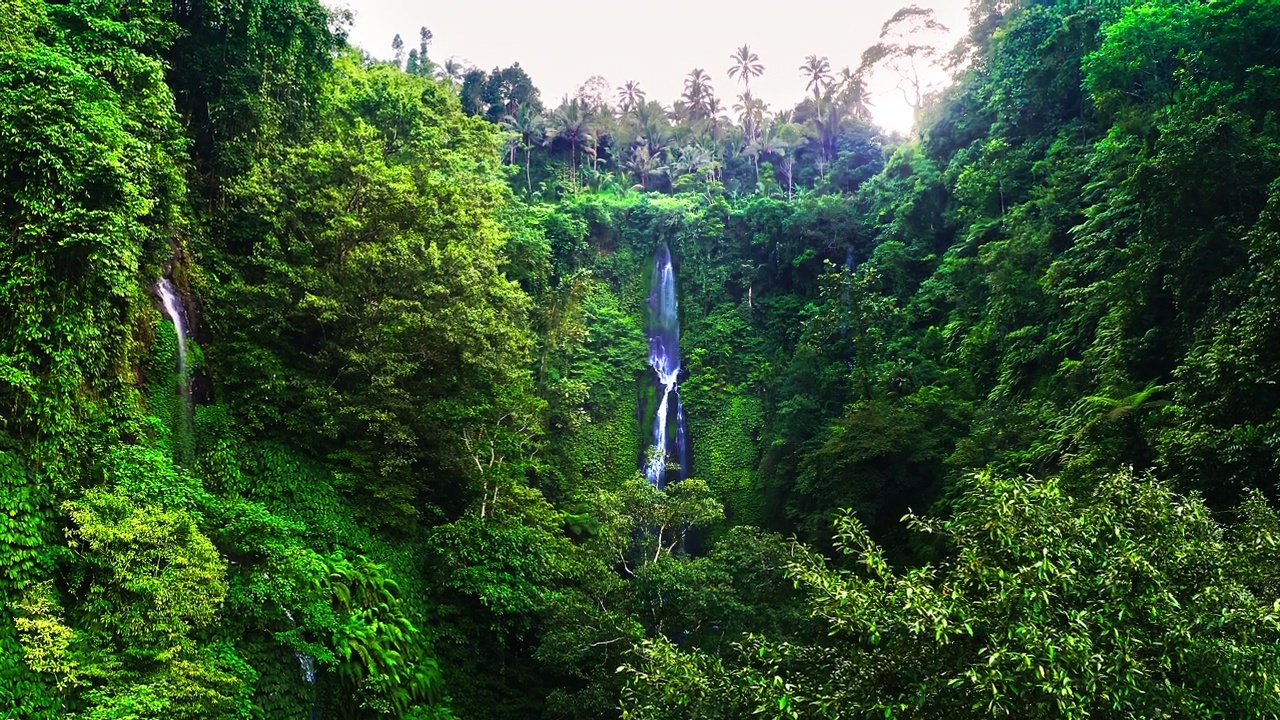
<point x="655" y="42"/>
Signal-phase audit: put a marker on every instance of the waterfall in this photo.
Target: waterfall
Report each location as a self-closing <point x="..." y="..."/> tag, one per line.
<point x="667" y="447"/>
<point x="308" y="666"/>
<point x="171" y="305"/>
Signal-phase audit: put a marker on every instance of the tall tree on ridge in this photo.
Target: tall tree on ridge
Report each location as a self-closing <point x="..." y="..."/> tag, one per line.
<point x="750" y="109"/>
<point x="908" y="40"/>
<point x="751" y="112"/>
<point x="397" y="47"/>
<point x="630" y="97"/>
<point x="746" y="65"/>
<point x="572" y="122"/>
<point x="425" y="66"/>
<point x="531" y="126"/>
<point x="697" y="94"/>
<point x="451" y="72"/>
<point x="818" y="71"/>
<point x="853" y="94"/>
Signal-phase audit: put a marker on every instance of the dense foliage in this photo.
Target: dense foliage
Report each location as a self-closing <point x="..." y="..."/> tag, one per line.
<point x="1022" y="364"/>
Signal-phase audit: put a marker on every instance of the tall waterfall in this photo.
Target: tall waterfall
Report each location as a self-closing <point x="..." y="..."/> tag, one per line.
<point x="171" y="304"/>
<point x="670" y="443"/>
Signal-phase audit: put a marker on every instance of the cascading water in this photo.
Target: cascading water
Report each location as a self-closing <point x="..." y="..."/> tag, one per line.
<point x="171" y="304"/>
<point x="173" y="310"/>
<point x="670" y="445"/>
<point x="308" y="666"/>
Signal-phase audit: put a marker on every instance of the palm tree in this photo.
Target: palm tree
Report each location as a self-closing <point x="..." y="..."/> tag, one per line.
<point x="691" y="160"/>
<point x="752" y="150"/>
<point x="630" y="97"/>
<point x="787" y="140"/>
<point x="697" y="94"/>
<point x="824" y="126"/>
<point x="746" y="65"/>
<point x="655" y="129"/>
<point x="764" y="145"/>
<point x="571" y="121"/>
<point x="451" y="72"/>
<point x="750" y="111"/>
<point x="853" y="94"/>
<point x="530" y="126"/>
<point x="716" y="118"/>
<point x="644" y="163"/>
<point x="818" y="71"/>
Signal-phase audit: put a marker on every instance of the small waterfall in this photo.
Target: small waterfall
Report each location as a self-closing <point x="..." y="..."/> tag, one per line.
<point x="667" y="447"/>
<point x="171" y="305"/>
<point x="308" y="666"/>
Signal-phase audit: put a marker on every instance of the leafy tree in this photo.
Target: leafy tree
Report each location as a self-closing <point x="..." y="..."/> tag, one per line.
<point x="324" y="251"/>
<point x="908" y="44"/>
<point x="1126" y="600"/>
<point x="245" y="76"/>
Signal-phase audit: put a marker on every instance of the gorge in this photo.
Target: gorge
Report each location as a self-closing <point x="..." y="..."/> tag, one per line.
<point x="978" y="420"/>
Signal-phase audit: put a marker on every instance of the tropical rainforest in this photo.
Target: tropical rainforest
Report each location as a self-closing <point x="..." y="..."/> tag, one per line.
<point x="326" y="386"/>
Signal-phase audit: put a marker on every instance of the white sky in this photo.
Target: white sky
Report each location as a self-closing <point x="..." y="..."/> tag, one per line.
<point x="655" y="42"/>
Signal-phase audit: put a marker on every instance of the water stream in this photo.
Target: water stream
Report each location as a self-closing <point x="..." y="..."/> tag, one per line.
<point x="667" y="457"/>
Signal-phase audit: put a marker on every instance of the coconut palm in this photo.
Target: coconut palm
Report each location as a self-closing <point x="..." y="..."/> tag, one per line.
<point x="658" y="138"/>
<point x="571" y="122"/>
<point x="691" y="160"/>
<point x="630" y="97"/>
<point x="818" y="71"/>
<point x="716" y="119"/>
<point x="697" y="94"/>
<point x="644" y="163"/>
<point x="824" y="126"/>
<point x="752" y="150"/>
<point x="787" y="139"/>
<point x="853" y="94"/>
<point x="751" y="112"/>
<point x="530" y="126"/>
<point x="654" y="127"/>
<point x="451" y="72"/>
<point x="746" y="65"/>
<point x="764" y="146"/>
